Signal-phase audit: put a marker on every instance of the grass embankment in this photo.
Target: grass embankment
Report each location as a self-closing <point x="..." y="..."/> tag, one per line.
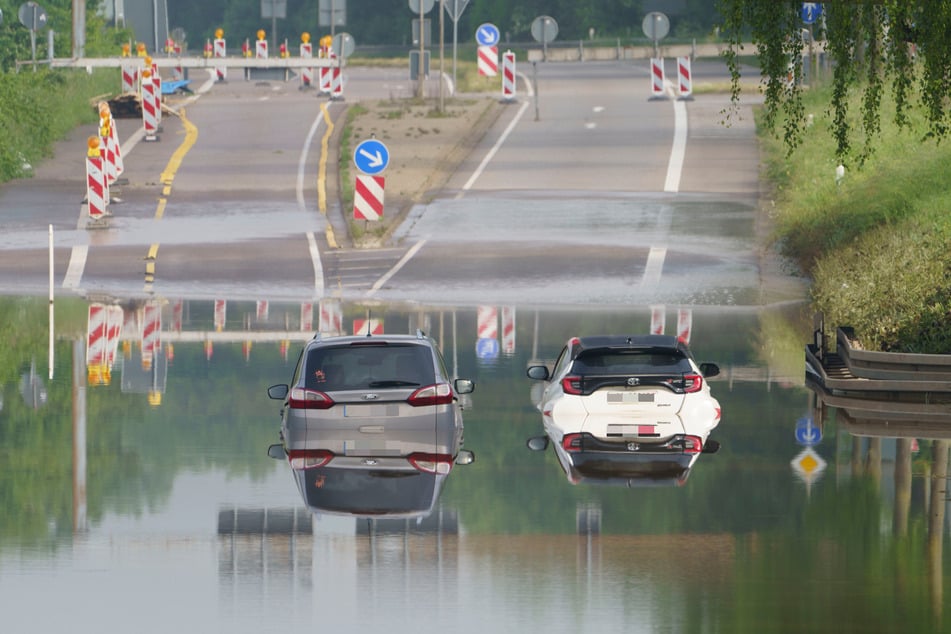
<point x="878" y="244"/>
<point x="38" y="109"/>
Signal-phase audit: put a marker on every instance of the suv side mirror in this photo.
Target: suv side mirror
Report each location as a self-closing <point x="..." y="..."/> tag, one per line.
<point x="276" y="452"/>
<point x="537" y="443"/>
<point x="709" y="369"/>
<point x="537" y="372"/>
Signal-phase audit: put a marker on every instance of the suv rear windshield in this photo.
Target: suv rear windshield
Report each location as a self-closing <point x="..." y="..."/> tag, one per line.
<point x="631" y="362"/>
<point x="354" y="367"/>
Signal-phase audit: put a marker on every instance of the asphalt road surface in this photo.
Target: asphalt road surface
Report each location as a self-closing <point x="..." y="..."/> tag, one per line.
<point x="585" y="192"/>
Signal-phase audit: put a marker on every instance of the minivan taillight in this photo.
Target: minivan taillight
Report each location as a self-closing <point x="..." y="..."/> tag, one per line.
<point x="438" y="394"/>
<point x="571" y="442"/>
<point x="571" y="385"/>
<point x="439" y="463"/>
<point x="301" y="459"/>
<point x="309" y="399"/>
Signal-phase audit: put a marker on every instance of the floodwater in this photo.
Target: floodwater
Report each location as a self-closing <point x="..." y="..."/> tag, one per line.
<point x="138" y="496"/>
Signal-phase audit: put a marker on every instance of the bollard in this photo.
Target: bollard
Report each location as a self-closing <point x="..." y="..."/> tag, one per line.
<point x="657" y="78"/>
<point x="149" y="121"/>
<point x="220" y="51"/>
<point x="508" y="76"/>
<point x="686" y="80"/>
<point x="95" y="203"/>
<point x="306" y="52"/>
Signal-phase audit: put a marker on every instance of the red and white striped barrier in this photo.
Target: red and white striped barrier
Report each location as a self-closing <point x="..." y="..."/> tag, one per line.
<point x="508" y="330"/>
<point x="95" y="182"/>
<point x="657" y="77"/>
<point x="260" y="49"/>
<point x="130" y="79"/>
<point x="368" y="326"/>
<point x="178" y="71"/>
<point x="368" y="197"/>
<point x="114" y="148"/>
<point x="149" y="106"/>
<point x="336" y="83"/>
<point x="686" y="79"/>
<point x="219" y="50"/>
<point x="488" y="61"/>
<point x="487" y="322"/>
<point x="306" y="74"/>
<point x="508" y="75"/>
<point x="331" y="317"/>
<point x="221" y="313"/>
<point x="684" y="324"/>
<point x="262" y="310"/>
<point x="307" y="317"/>
<point x="324" y="74"/>
<point x="151" y="332"/>
<point x="658" y="320"/>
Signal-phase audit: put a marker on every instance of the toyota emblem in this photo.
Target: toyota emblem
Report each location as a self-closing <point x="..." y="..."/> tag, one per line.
<point x="633" y="381"/>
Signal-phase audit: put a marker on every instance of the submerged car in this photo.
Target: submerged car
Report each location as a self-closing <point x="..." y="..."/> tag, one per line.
<point x="371" y="425"/>
<point x="628" y="410"/>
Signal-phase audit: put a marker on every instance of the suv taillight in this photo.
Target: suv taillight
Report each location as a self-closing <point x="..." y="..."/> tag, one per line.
<point x="309" y="458"/>
<point x="440" y="463"/>
<point x="692" y="444"/>
<point x="692" y="383"/>
<point x="571" y="385"/>
<point x="309" y="399"/>
<point x="571" y="442"/>
<point x="438" y="394"/>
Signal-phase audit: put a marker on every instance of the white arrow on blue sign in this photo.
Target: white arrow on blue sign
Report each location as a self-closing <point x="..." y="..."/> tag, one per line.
<point x="371" y="157"/>
<point x="487" y="34"/>
<point x="487" y="348"/>
<point x="811" y="11"/>
<point x="807" y="433"/>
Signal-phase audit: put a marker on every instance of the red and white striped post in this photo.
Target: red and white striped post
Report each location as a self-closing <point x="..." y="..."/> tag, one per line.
<point x="130" y="77"/>
<point x="657" y="77"/>
<point x="306" y="52"/>
<point x="260" y="47"/>
<point x="151" y="332"/>
<point x="658" y="320"/>
<point x="336" y="81"/>
<point x="149" y="107"/>
<point x="508" y="76"/>
<point x="684" y="324"/>
<point x="95" y="182"/>
<point x="488" y="61"/>
<point x="368" y="197"/>
<point x="307" y="317"/>
<point x="686" y="79"/>
<point x="508" y="330"/>
<point x="324" y="74"/>
<point x="219" y="51"/>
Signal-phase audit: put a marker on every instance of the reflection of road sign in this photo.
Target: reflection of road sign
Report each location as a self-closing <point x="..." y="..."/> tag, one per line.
<point x="808" y="464"/>
<point x="807" y="433"/>
<point x="655" y="25"/>
<point x="487" y="348"/>
<point x="487" y="35"/>
<point x="544" y="29"/>
<point x="811" y="11"/>
<point x="371" y="157"/>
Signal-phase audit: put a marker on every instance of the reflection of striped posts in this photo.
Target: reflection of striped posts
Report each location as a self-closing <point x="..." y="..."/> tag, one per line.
<point x="684" y="324"/>
<point x="487" y="322"/>
<point x="221" y="311"/>
<point x="508" y="76"/>
<point x="115" y="317"/>
<point x="178" y="310"/>
<point x="151" y="330"/>
<point x="686" y="80"/>
<point x="658" y="320"/>
<point x="331" y="317"/>
<point x="149" y="121"/>
<point x="368" y="197"/>
<point x="178" y="72"/>
<point x="96" y="369"/>
<point x="657" y="77"/>
<point x="95" y="184"/>
<point x="307" y="317"/>
<point x="488" y="61"/>
<point x="368" y="326"/>
<point x="219" y="51"/>
<point x="306" y="74"/>
<point x="508" y="330"/>
<point x="261" y="310"/>
<point x="130" y="76"/>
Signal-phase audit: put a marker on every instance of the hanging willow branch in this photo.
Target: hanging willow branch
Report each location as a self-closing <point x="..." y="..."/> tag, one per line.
<point x="905" y="41"/>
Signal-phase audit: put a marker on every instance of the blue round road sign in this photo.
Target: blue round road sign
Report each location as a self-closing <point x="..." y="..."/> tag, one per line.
<point x="371" y="157"/>
<point x="487" y="348"/>
<point x="487" y="34"/>
<point x="807" y="433"/>
<point x="811" y="11"/>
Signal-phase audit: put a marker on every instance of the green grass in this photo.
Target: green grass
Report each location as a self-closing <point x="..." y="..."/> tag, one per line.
<point x="876" y="244"/>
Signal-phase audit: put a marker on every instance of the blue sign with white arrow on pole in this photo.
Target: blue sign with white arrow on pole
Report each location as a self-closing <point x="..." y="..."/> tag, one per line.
<point x="811" y="11"/>
<point x="371" y="157"/>
<point x="807" y="433"/>
<point x="487" y="34"/>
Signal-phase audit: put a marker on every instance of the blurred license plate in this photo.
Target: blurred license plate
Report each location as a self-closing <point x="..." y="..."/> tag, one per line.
<point x="630" y="397"/>
<point x="371" y="411"/>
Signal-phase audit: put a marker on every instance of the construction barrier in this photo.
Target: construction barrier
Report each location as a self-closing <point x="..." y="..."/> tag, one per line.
<point x="487" y="322"/>
<point x="508" y="76"/>
<point x="684" y="324"/>
<point x="488" y="61"/>
<point x="331" y="317"/>
<point x="130" y="79"/>
<point x="149" y="106"/>
<point x="220" y="51"/>
<point x="508" y="330"/>
<point x="368" y="327"/>
<point x="325" y="73"/>
<point x="657" y="77"/>
<point x="368" y="197"/>
<point x="95" y="181"/>
<point x="686" y="80"/>
<point x="260" y="49"/>
<point x="336" y="82"/>
<point x="306" y="74"/>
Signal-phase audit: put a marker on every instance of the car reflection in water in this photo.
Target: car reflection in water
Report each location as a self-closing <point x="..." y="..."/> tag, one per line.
<point x="627" y="410"/>
<point x="371" y="426"/>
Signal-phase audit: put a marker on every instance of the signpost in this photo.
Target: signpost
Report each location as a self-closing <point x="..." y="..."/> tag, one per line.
<point x="656" y="26"/>
<point x="544" y="30"/>
<point x="332" y="13"/>
<point x="371" y="157"/>
<point x="487" y="35"/>
<point x="455" y="8"/>
<point x="420" y="8"/>
<point x="33" y="17"/>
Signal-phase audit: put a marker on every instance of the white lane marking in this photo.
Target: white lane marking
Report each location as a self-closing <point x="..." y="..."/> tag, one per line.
<point x="396" y="267"/>
<point x="676" y="163"/>
<point x="495" y="148"/>
<point x="302" y="161"/>
<point x="654" y="266"/>
<point x="77" y="263"/>
<point x="318" y="267"/>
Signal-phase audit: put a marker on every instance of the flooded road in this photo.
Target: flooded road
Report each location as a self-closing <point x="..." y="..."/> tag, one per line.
<point x="138" y="494"/>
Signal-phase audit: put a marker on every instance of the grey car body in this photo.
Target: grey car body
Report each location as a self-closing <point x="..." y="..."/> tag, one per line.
<point x="371" y="426"/>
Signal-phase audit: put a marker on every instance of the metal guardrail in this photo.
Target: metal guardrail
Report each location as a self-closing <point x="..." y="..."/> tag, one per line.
<point x="897" y="366"/>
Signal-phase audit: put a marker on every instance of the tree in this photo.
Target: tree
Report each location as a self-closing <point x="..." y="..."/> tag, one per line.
<point x="873" y="46"/>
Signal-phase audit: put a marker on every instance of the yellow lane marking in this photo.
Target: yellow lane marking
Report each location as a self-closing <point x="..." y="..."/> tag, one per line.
<point x="153" y="252"/>
<point x="160" y="210"/>
<point x="322" y="175"/>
